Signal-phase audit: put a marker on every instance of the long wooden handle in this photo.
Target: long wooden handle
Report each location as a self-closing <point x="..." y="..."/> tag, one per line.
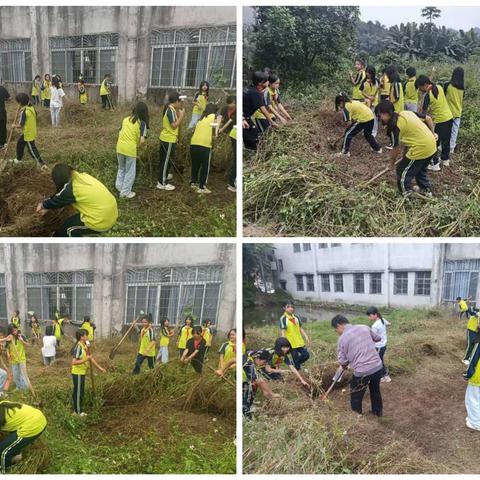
<point x="380" y="174"/>
<point x="226" y="379"/>
<point x="3" y="162"/>
<point x="115" y="348"/>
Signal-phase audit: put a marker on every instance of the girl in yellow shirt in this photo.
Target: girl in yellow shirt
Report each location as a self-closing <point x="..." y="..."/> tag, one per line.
<point x="199" y="103"/>
<point x="228" y="353"/>
<point x="185" y="335"/>
<point x="165" y="334"/>
<point x="146" y="348"/>
<point x="454" y="91"/>
<point x="15" y="343"/>
<point x="207" y="336"/>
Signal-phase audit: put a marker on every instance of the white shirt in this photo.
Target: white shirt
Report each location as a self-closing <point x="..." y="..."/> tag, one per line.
<point x="57" y="95"/>
<point x="381" y="330"/>
<point x="49" y="348"/>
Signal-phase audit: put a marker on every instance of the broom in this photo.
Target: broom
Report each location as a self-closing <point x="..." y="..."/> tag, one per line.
<point x="113" y="352"/>
<point x="3" y="162"/>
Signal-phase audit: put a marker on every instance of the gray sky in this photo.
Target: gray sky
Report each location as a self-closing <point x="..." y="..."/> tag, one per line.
<point x="453" y="17"/>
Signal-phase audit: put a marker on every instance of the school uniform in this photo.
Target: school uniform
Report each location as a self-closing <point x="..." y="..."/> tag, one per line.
<point x="105" y="94"/>
<point x="384" y="87"/>
<point x="82" y="95"/>
<point x="249" y="383"/>
<point x="146" y="350"/>
<point x="35" y="92"/>
<point x="411" y="95"/>
<point x="363" y="120"/>
<point x="472" y="335"/>
<point x="463" y="309"/>
<point x="454" y="98"/>
<point x="127" y="153"/>
<point x="253" y="99"/>
<point x="90" y="330"/>
<point x="18" y="360"/>
<point x="198" y="110"/>
<point x="15" y="320"/>
<point x="58" y="330"/>
<point x="185" y="335"/>
<point x="259" y="118"/>
<point x="291" y="324"/>
<point x="201" y="151"/>
<point x="472" y="393"/>
<point x="372" y="89"/>
<point x="168" y="143"/>
<point x="357" y="82"/>
<point x="207" y="336"/>
<point x="413" y="133"/>
<point x="396" y="96"/>
<point x="164" y="343"/>
<point x="4" y="95"/>
<point x="199" y="345"/>
<point x="28" y="121"/>
<point x="79" y="372"/>
<point x="232" y="171"/>
<point x="439" y="110"/>
<point x="228" y="350"/>
<point x="23" y="426"/>
<point x="96" y="206"/>
<point x="274" y="361"/>
<point x="46" y="92"/>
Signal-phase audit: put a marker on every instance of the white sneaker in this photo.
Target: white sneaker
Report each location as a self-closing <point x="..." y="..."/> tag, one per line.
<point x="83" y="414"/>
<point x="386" y="379"/>
<point x="389" y="146"/>
<point x="194" y="186"/>
<point x="165" y="187"/>
<point x="129" y="195"/>
<point x="466" y="362"/>
<point x="204" y="190"/>
<point x="231" y="189"/>
<point x="170" y="176"/>
<point x="446" y="163"/>
<point x="341" y="154"/>
<point x="469" y="425"/>
<point x="434" y="168"/>
<point x="379" y="151"/>
<point x="43" y="166"/>
<point x="14" y="160"/>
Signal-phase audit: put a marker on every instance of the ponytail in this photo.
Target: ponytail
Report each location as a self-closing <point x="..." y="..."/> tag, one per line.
<point x="374" y="311"/>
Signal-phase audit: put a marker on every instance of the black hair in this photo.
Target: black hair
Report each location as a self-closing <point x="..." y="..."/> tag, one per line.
<point x="197" y="329"/>
<point x="371" y="71"/>
<point x="56" y="82"/>
<point x="140" y="112"/>
<point x="263" y="355"/>
<point x="230" y="331"/>
<point x="61" y="174"/>
<point x="458" y="80"/>
<point x="107" y="75"/>
<point x="342" y="97"/>
<point x="459" y="298"/>
<point x="23" y="99"/>
<point x="209" y="109"/>
<point x="173" y="97"/>
<point x="281" y="342"/>
<point x="11" y="327"/>
<point x="86" y="318"/>
<point x="360" y="60"/>
<point x="392" y="73"/>
<point x="49" y="330"/>
<point x="4" y="406"/>
<point x="386" y="106"/>
<point x="207" y="320"/>
<point x="273" y="78"/>
<point x="267" y="70"/>
<point x="202" y="84"/>
<point x="424" y="80"/>
<point x="37" y="76"/>
<point x="231" y="99"/>
<point x="146" y="317"/>
<point x="78" y="335"/>
<point x="411" y="71"/>
<point x="47" y="75"/>
<point x="339" y="320"/>
<point x="259" y="78"/>
<point x="286" y="303"/>
<point x="374" y="311"/>
<point x="162" y="322"/>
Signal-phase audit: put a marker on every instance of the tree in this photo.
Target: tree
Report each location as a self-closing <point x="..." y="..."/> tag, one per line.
<point x="431" y="13"/>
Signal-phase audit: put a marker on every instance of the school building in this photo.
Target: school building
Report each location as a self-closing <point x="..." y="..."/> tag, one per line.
<point x="387" y="274"/>
<point x="148" y="50"/>
<point x="113" y="283"/>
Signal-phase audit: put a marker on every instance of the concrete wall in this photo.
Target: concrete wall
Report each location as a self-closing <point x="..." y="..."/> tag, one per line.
<point x="461" y="251"/>
<point x="109" y="263"/>
<point x="133" y="24"/>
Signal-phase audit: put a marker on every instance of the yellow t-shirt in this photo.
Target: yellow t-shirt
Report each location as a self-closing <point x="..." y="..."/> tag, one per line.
<point x="129" y="136"/>
<point x="372" y="90"/>
<point x="473" y="323"/>
<point x="168" y="133"/>
<point x="146" y="338"/>
<point x="359" y="112"/>
<point x="462" y="305"/>
<point x="454" y="98"/>
<point x="104" y="90"/>
<point x="58" y="329"/>
<point x="396" y="96"/>
<point x="80" y="353"/>
<point x="415" y="135"/>
<point x="411" y="93"/>
<point x="438" y="107"/>
<point x="357" y="93"/>
<point x="164" y="337"/>
<point x="89" y="328"/>
<point x="26" y="421"/>
<point x="185" y="334"/>
<point x="202" y="100"/>
<point x="475" y="378"/>
<point x="233" y="132"/>
<point x="35" y="88"/>
<point x="203" y="132"/>
<point x="16" y="321"/>
<point x="46" y="92"/>
<point x="228" y="351"/>
<point x="291" y="324"/>
<point x="207" y="336"/>
<point x="385" y="85"/>
<point x="30" y="125"/>
<point x="16" y="348"/>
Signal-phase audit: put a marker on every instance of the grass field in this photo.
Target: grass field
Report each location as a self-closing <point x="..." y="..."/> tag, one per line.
<point x="423" y="427"/>
<point x="87" y="140"/>
<point x="168" y="420"/>
<point x="294" y="187"/>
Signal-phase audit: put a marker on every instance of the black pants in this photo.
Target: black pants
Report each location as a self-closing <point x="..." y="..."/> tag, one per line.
<point x="11" y="446"/>
<point x="32" y="148"/>
<point x="35" y="100"/>
<point x="471" y="338"/>
<point x="46" y="102"/>
<point x="248" y="396"/>
<point x="355" y="129"/>
<point x="232" y="172"/>
<point x="299" y="356"/>
<point x="251" y="136"/>
<point x="106" y="101"/>
<point x="139" y="361"/>
<point x="74" y="227"/>
<point x="407" y="170"/>
<point x="197" y="365"/>
<point x="180" y="352"/>
<point x="167" y="155"/>
<point x="201" y="157"/>
<point x="3" y="130"/>
<point x="381" y="353"/>
<point x="262" y="125"/>
<point x="78" y="392"/>
<point x="444" y="132"/>
<point x="358" y="387"/>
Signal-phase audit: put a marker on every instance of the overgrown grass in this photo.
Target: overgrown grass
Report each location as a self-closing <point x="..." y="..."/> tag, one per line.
<point x="293" y="186"/>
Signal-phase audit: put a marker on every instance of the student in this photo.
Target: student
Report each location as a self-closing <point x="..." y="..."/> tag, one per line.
<point x="185" y="334"/>
<point x="36" y="84"/>
<point x="89" y="327"/>
<point x="165" y="334"/>
<point x="57" y="324"/>
<point x="15" y="320"/>
<point x="362" y="120"/>
<point x="131" y="136"/>
<point x="262" y="115"/>
<point x="411" y="92"/>
<point x="357" y="79"/>
<point x="415" y="132"/>
<point x="82" y="92"/>
<point x="200" y="101"/>
<point x="28" y="123"/>
<point x="4" y="97"/>
<point x="49" y="349"/>
<point x="201" y="147"/>
<point x="96" y="206"/>
<point x="436" y="105"/>
<point x="227" y="119"/>
<point x="23" y="424"/>
<point x="15" y="343"/>
<point x="56" y="102"/>
<point x="194" y="352"/>
<point x="227" y="352"/>
<point x="146" y="349"/>
<point x="396" y="88"/>
<point x="172" y="117"/>
<point x="268" y="94"/>
<point x="45" y="90"/>
<point x="384" y="86"/>
<point x="370" y="89"/>
<point x="379" y="327"/>
<point x="356" y="347"/>
<point x="273" y="87"/>
<point x="82" y="360"/>
<point x="463" y="308"/>
<point x="454" y="91"/>
<point x="472" y="336"/>
<point x="106" y="93"/>
<point x="291" y="329"/>
<point x="207" y="336"/>
<point x="35" y="327"/>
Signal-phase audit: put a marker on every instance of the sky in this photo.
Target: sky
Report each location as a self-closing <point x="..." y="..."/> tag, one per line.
<point x="453" y="17"/>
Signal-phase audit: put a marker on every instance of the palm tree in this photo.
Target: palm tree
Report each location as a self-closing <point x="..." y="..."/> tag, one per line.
<point x="431" y="13"/>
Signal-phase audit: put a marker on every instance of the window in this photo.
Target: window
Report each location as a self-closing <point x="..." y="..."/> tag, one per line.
<point x="310" y="283"/>
<point x="185" y="57"/>
<point x="323" y="245"/>
<point x="16" y="60"/>
<point x="375" y="283"/>
<point x="400" y="283"/>
<point x="174" y="293"/>
<point x="296" y="247"/>
<point x="69" y="292"/>
<point x="473" y="284"/>
<point x="306" y="247"/>
<point x="283" y="284"/>
<point x="325" y="282"/>
<point x="90" y="55"/>
<point x="358" y="283"/>
<point x="422" y="283"/>
<point x="299" y="279"/>
<point x="336" y="244"/>
<point x="3" y="300"/>
<point x="338" y="282"/>
<point x="280" y="265"/>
